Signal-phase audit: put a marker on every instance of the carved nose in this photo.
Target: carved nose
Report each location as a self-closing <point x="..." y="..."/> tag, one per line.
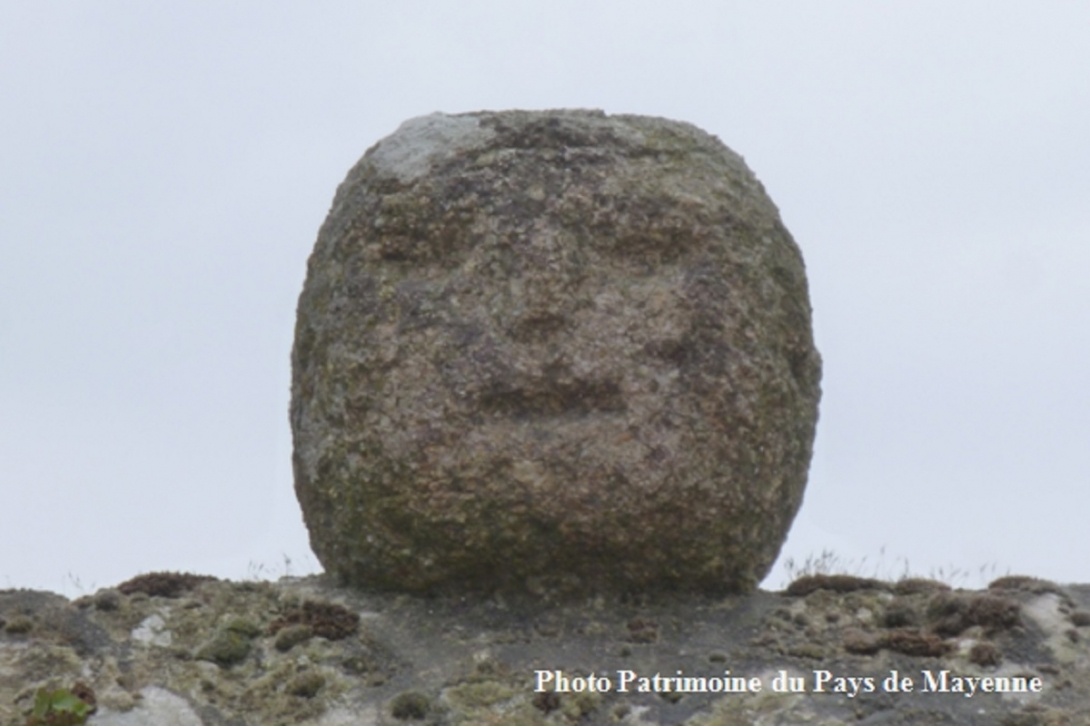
<point x="543" y="304"/>
<point x="546" y="292"/>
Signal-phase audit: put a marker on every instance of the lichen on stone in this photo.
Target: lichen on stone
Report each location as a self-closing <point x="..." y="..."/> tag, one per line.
<point x="460" y="660"/>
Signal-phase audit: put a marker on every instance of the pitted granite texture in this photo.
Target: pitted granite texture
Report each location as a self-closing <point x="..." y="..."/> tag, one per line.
<point x="552" y="351"/>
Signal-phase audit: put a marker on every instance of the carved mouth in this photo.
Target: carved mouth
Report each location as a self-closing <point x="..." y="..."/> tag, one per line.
<point x="549" y="398"/>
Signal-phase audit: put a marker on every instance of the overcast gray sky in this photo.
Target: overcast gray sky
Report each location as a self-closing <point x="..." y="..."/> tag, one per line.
<point x="164" y="169"/>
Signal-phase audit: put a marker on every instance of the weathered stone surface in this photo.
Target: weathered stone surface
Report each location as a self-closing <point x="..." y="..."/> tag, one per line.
<point x="402" y="659"/>
<point x="552" y="350"/>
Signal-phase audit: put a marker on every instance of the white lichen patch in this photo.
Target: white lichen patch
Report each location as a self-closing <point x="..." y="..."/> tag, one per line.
<point x="1046" y="610"/>
<point x="153" y="632"/>
<point x="421" y="142"/>
<point x="156" y="706"/>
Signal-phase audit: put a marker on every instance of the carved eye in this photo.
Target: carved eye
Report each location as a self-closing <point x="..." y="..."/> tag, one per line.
<point x="411" y="226"/>
<point x="645" y="232"/>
